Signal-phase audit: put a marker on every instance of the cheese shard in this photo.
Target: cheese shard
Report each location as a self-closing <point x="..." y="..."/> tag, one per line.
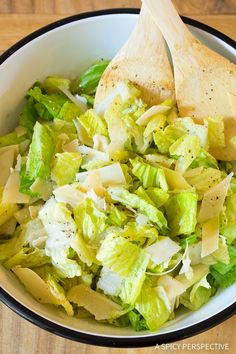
<point x="6" y="163"/>
<point x="97" y="304"/>
<point x="162" y="250"/>
<point x="11" y="193"/>
<point x="210" y="236"/>
<point x="213" y="200"/>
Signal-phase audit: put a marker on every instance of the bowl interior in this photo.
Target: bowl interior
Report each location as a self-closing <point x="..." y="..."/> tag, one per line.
<point x="66" y="51"/>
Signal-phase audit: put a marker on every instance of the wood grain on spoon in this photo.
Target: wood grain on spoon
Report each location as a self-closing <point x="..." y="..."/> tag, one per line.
<point x="144" y="61"/>
<point x="205" y="82"/>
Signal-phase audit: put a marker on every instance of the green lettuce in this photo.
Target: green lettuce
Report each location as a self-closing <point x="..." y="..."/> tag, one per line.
<point x="149" y="176"/>
<point x="225" y="274"/>
<point x="28" y="117"/>
<point x="198" y="295"/>
<point x="52" y="84"/>
<point x="65" y="167"/>
<point x="187" y="149"/>
<point x="61" y="230"/>
<point x="28" y="257"/>
<point x="11" y="139"/>
<point x="181" y="211"/>
<point x="40" y="153"/>
<point x="90" y="220"/>
<point x="127" y="260"/>
<point x="47" y="106"/>
<point x="228" y="219"/>
<point x="93" y="123"/>
<point x="151" y="304"/>
<point x="89" y="80"/>
<point x="134" y="201"/>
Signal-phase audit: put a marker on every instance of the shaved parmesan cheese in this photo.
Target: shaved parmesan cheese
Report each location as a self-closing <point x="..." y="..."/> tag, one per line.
<point x="146" y="116"/>
<point x="72" y="146"/>
<point x="34" y="210"/>
<point x="34" y="285"/>
<point x="111" y="175"/>
<point x="193" y="172"/>
<point x="100" y="142"/>
<point x="158" y="159"/>
<point x="210" y="236"/>
<point x="11" y="193"/>
<point x="186" y="266"/>
<point x="194" y="252"/>
<point x="162" y="250"/>
<point x="213" y="200"/>
<point x="82" y="134"/>
<point x="42" y="187"/>
<point x="69" y="195"/>
<point x="75" y="99"/>
<point x="6" y="163"/>
<point x="199" y="271"/>
<point x="172" y="286"/>
<point x="90" y="154"/>
<point x="94" y="181"/>
<point x="175" y="180"/>
<point x="97" y="304"/>
<point x="15" y="148"/>
<point x="121" y="89"/>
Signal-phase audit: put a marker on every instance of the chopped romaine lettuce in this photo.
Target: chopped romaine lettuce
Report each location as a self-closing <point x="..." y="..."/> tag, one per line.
<point x="40" y="153"/>
<point x="133" y="201"/>
<point x="117" y="211"/>
<point x="65" y="167"/>
<point x="181" y="210"/>
<point x="89" y="80"/>
<point x="151" y="305"/>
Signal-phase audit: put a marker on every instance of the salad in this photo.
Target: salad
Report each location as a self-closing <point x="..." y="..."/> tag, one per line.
<point x="119" y="213"/>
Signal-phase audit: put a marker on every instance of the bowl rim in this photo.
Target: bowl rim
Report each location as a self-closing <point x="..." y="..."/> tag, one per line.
<point x="103" y="340"/>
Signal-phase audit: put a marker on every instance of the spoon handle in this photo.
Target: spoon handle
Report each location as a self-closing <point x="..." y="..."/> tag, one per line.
<point x="169" y="22"/>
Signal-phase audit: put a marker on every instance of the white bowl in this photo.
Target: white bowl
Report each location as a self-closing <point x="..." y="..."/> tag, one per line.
<point x="66" y="48"/>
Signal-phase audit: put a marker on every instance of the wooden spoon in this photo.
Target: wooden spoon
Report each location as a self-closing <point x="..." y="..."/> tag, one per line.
<point x="205" y="82"/>
<point x="144" y="61"/>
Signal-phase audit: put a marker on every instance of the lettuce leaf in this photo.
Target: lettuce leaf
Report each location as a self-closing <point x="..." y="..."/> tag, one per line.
<point x="119" y="255"/>
<point x="88" y="81"/>
<point x="181" y="210"/>
<point x="28" y="258"/>
<point x="65" y="167"/>
<point x="225" y="274"/>
<point x="61" y="230"/>
<point x="69" y="111"/>
<point x="133" y="201"/>
<point x="90" y="220"/>
<point x="228" y="219"/>
<point x="47" y="106"/>
<point x="198" y="295"/>
<point x="149" y="176"/>
<point x="151" y="305"/>
<point x="52" y="84"/>
<point x="11" y="139"/>
<point x="28" y="117"/>
<point x="93" y="123"/>
<point x="137" y="321"/>
<point x="128" y="261"/>
<point x="40" y="153"/>
<point x="187" y="149"/>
